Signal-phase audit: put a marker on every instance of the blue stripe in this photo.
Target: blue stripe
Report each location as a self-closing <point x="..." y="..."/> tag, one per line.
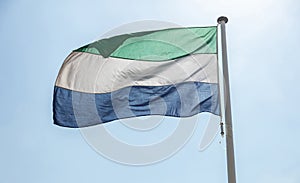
<point x="77" y="109"/>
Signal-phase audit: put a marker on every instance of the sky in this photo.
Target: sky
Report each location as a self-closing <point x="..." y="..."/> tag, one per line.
<point x="262" y="37"/>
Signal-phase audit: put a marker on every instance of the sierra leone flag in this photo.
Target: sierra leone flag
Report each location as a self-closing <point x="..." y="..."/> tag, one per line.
<point x="170" y="72"/>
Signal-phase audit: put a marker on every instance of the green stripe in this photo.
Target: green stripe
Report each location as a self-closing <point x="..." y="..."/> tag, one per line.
<point x="157" y="45"/>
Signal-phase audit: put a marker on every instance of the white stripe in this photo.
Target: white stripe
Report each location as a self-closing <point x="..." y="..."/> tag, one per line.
<point x="91" y="73"/>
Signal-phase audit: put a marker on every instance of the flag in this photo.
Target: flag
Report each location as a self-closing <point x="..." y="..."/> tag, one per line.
<point x="171" y="72"/>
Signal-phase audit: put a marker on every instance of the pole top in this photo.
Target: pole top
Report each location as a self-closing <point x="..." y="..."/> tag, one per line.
<point x="222" y="19"/>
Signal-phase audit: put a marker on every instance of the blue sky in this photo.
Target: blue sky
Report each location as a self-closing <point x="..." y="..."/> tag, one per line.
<point x="262" y="37"/>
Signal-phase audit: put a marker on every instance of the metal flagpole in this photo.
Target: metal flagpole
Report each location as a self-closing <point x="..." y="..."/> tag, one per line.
<point x="228" y="120"/>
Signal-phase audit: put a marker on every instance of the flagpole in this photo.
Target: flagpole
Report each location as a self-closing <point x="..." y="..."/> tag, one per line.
<point x="228" y="119"/>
